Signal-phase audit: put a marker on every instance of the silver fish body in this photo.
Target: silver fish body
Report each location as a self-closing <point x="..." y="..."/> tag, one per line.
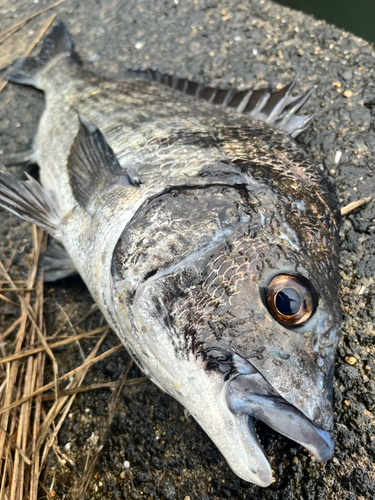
<point x="207" y="238"/>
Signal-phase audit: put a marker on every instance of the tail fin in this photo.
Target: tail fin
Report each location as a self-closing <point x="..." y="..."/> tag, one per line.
<point x="27" y="69"/>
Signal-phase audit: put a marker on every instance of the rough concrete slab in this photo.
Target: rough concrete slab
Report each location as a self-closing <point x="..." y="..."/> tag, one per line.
<point x="228" y="43"/>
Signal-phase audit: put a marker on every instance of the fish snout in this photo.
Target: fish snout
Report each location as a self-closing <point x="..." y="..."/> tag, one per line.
<point x="252" y="395"/>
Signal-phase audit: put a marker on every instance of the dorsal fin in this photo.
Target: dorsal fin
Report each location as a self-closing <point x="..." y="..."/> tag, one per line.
<point x="92" y="165"/>
<point x="278" y="107"/>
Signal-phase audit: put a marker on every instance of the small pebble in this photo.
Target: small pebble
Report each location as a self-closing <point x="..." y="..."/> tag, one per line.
<point x="351" y="360"/>
<point x="94" y="58"/>
<point x="126" y="464"/>
<point x="346" y="402"/>
<point x="336" y="84"/>
<point x="347" y="93"/>
<point x="338" y="156"/>
<point x="123" y="475"/>
<point x="194" y="47"/>
<point x="348" y="74"/>
<point x="187" y="497"/>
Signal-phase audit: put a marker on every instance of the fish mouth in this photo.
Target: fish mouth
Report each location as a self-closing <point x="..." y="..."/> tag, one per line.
<point x="251" y="395"/>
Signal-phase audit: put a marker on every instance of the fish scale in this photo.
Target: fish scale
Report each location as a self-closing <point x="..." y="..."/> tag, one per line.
<point x="190" y="212"/>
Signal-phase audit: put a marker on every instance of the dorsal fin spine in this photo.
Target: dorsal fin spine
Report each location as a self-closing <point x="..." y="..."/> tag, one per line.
<point x="244" y="102"/>
<point x="276" y="108"/>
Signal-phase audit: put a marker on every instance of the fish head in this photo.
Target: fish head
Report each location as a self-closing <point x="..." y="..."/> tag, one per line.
<point x="236" y="313"/>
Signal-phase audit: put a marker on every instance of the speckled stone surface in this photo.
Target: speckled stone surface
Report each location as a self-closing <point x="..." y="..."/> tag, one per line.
<point x="152" y="450"/>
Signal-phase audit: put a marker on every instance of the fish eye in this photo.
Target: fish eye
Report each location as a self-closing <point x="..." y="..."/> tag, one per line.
<point x="291" y="300"/>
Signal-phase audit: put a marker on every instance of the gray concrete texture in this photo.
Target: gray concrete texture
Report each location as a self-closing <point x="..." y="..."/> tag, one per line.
<point x="153" y="450"/>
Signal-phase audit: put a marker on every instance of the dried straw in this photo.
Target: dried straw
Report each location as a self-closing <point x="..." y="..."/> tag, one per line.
<point x="34" y="43"/>
<point x="28" y="428"/>
<point x="354" y="204"/>
<point x="7" y="33"/>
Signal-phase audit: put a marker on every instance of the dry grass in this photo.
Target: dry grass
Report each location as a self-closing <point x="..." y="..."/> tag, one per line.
<point x="8" y="55"/>
<point x="355" y="204"/>
<point x="31" y="410"/>
<point x="7" y="33"/>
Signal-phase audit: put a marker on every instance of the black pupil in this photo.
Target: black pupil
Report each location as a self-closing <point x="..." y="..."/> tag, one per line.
<point x="288" y="301"/>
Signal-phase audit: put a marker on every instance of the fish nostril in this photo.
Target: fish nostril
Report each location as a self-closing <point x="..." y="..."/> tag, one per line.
<point x="315" y="343"/>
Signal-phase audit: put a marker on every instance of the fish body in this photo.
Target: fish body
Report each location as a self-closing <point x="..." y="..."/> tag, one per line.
<point x="207" y="237"/>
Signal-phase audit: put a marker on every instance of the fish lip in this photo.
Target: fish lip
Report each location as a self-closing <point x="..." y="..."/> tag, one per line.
<point x="251" y="394"/>
<point x="247" y="460"/>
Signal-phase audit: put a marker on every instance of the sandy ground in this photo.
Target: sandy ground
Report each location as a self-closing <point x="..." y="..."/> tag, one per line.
<point x="152" y="450"/>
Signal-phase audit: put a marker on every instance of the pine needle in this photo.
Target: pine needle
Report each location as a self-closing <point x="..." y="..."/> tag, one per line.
<point x="35" y="41"/>
<point x="28" y="429"/>
<point x="22" y="23"/>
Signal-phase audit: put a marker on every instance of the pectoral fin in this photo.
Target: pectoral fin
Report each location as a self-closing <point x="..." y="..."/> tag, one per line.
<point x="92" y="165"/>
<point x="56" y="263"/>
<point x="30" y="201"/>
<point x="23" y="157"/>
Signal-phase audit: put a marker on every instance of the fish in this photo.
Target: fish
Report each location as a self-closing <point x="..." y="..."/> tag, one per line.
<point x="205" y="234"/>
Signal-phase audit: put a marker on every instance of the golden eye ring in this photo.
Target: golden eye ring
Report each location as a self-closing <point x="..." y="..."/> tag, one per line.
<point x="291" y="300"/>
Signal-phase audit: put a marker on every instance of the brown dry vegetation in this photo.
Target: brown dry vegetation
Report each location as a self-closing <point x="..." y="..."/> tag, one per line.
<point x="29" y="427"/>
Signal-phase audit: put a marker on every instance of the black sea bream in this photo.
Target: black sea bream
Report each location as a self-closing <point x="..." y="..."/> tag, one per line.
<point x="206" y="236"/>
